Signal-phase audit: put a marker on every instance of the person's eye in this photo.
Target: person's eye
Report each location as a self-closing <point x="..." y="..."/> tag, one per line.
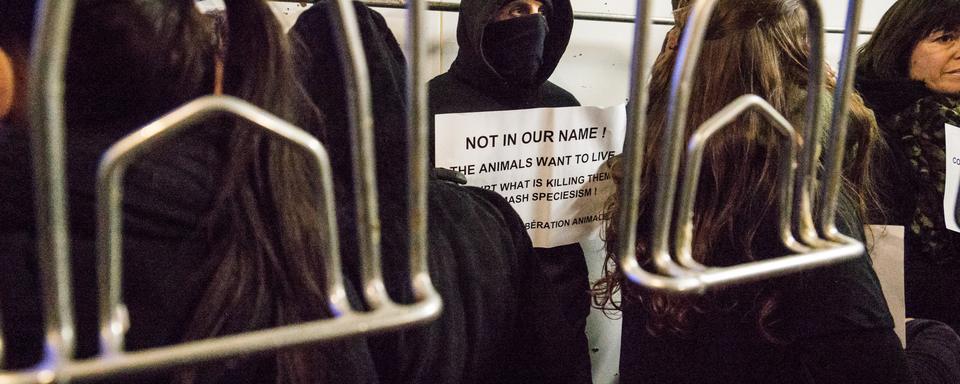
<point x="946" y="38"/>
<point x="518" y="11"/>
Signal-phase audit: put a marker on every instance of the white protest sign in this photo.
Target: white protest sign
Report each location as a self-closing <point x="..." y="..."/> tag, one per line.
<point x="952" y="158"/>
<point x="546" y="162"/>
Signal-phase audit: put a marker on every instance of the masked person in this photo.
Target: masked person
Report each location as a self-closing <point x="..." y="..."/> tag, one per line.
<point x="508" y="49"/>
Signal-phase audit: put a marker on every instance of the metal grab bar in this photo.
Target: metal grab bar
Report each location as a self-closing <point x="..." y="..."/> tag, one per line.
<point x="688" y="275"/>
<point x="360" y="117"/>
<point x="836" y="146"/>
<point x="691" y="175"/>
<point x="49" y="55"/>
<point x="113" y="317"/>
<point x="418" y="125"/>
<point x="113" y="361"/>
<point x="443" y="6"/>
<point x="46" y="114"/>
<point x="804" y="258"/>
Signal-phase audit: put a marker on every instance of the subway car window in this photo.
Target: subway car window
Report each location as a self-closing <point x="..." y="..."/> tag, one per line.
<point x="479" y="191"/>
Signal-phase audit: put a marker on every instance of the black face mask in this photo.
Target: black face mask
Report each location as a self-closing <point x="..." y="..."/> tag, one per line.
<point x="514" y="47"/>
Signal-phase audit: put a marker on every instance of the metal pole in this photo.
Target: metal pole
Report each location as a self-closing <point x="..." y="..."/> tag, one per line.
<point x="806" y="176"/>
<point x="360" y="115"/>
<point x="586" y="16"/>
<point x="418" y="126"/>
<point x="836" y="146"/>
<point x="46" y="114"/>
<point x="681" y="83"/>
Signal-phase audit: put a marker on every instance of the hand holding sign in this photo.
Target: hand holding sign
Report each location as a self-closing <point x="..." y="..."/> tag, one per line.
<point x="546" y="162"/>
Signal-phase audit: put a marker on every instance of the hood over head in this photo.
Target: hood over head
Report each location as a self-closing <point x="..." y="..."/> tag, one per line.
<point x="477" y="69"/>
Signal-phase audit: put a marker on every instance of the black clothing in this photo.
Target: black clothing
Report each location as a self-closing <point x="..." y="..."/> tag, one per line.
<point x="836" y="326"/>
<point x="501" y="321"/>
<point x="319" y="71"/>
<point x="165" y="267"/>
<point x="911" y="120"/>
<point x="474" y="85"/>
<point x="450" y="93"/>
<point x="932" y="351"/>
<point x="488" y="90"/>
<point x="514" y="47"/>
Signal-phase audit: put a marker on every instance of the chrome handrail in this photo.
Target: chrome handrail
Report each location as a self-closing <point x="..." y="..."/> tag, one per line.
<point x="418" y="126"/>
<point x="113" y="317"/>
<point x="836" y="145"/>
<point x="360" y="118"/>
<point x="444" y="6"/>
<point x="47" y="119"/>
<point x="691" y="175"/>
<point x="46" y="113"/>
<point x="680" y="272"/>
<point x="633" y="164"/>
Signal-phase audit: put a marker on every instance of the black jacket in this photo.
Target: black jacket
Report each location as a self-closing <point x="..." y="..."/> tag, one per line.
<point x="473" y="85"/>
<point x="501" y="321"/>
<point x="832" y="324"/>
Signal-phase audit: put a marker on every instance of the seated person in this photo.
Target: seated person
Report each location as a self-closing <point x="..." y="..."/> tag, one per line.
<point x="909" y="74"/>
<point x="826" y="325"/>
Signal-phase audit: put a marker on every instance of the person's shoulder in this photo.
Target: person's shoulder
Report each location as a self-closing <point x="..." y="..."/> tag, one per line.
<point x="453" y="196"/>
<point x="449" y="94"/>
<point x="555" y="96"/>
<point x="841" y="298"/>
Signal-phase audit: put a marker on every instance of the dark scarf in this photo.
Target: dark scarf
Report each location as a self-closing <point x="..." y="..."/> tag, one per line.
<point x="921" y="133"/>
<point x="514" y="48"/>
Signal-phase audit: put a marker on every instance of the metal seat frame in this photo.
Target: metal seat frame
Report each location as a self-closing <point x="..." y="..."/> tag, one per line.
<point x="814" y="246"/>
<point x="46" y="117"/>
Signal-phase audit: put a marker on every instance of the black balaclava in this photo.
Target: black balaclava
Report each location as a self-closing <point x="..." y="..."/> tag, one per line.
<point x="479" y="68"/>
<point x="514" y="47"/>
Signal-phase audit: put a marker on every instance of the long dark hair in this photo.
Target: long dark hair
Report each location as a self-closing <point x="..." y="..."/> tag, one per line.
<point x="906" y="23"/>
<point x="758" y="47"/>
<point x="136" y="59"/>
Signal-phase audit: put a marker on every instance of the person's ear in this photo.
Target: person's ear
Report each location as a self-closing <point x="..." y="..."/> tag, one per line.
<point x="7" y="84"/>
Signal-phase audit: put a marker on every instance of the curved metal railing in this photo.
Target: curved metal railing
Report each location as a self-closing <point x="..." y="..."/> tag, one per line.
<point x="46" y="90"/>
<point x="677" y="271"/>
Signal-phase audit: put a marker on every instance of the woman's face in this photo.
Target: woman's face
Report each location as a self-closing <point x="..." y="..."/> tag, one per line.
<point x="936" y="62"/>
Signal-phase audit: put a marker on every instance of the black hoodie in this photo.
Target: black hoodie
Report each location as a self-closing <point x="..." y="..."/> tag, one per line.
<point x="473" y="85"/>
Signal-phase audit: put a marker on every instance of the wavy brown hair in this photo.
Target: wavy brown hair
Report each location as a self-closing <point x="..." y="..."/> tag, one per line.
<point x="752" y="47"/>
